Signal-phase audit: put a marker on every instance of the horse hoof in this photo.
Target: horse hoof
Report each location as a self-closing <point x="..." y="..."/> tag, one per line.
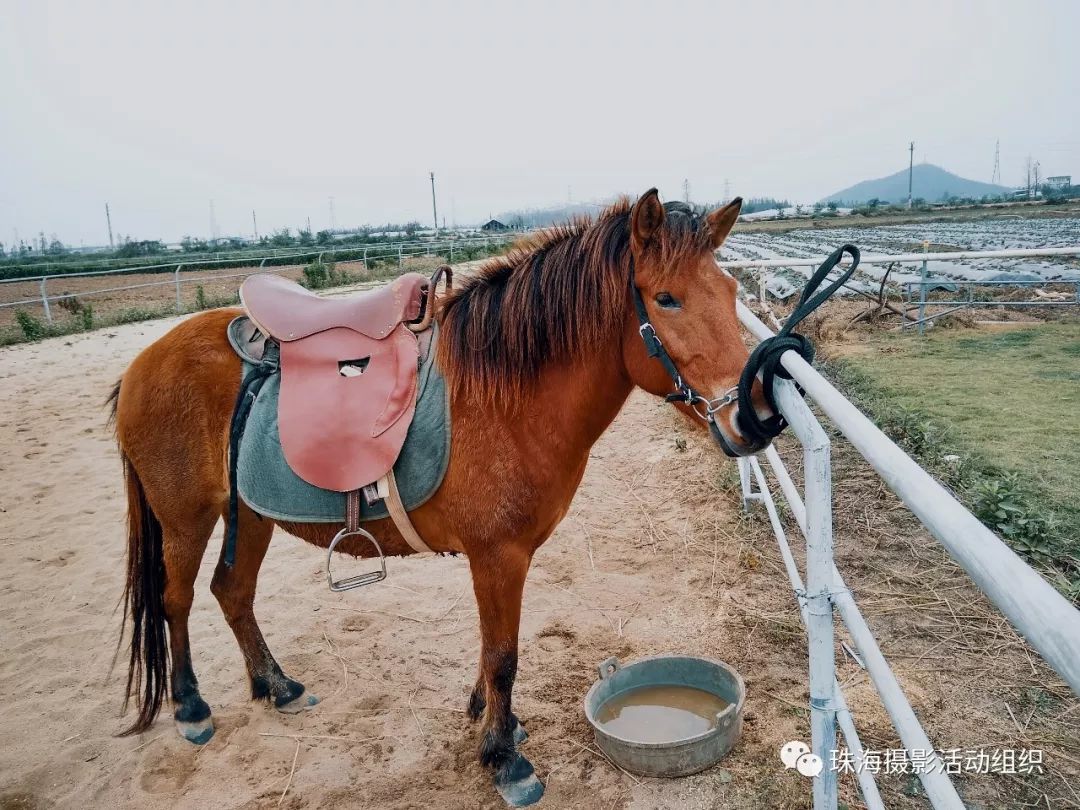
<point x="518" y="785"/>
<point x="520" y="734"/>
<point x="197" y="731"/>
<point x="303" y="703"/>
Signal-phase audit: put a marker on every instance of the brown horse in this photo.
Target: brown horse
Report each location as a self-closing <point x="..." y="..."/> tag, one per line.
<point x="540" y="351"/>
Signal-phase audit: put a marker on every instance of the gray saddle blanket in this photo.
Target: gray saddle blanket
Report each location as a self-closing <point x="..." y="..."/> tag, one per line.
<point x="268" y="485"/>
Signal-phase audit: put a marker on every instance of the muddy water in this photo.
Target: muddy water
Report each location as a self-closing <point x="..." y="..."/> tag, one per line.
<point x="654" y="714"/>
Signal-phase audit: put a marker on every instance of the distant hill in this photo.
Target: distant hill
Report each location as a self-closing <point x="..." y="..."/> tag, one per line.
<point x="930" y="182"/>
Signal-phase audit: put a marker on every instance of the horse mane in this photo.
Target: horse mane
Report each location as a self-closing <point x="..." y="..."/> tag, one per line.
<point x="559" y="293"/>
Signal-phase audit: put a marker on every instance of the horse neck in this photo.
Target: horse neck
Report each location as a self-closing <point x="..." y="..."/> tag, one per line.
<point x="572" y="404"/>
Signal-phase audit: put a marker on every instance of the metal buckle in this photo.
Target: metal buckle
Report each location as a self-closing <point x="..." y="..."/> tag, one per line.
<point x="641" y="331"/>
<point x="714" y="405"/>
<point x="347" y="584"/>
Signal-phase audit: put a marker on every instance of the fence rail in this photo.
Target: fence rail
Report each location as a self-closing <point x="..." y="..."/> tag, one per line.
<point x="1039" y="613"/>
<point x="363" y="253"/>
<point x="237" y="254"/>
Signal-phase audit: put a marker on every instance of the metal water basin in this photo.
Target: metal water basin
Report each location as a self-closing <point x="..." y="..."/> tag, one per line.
<point x="678" y="757"/>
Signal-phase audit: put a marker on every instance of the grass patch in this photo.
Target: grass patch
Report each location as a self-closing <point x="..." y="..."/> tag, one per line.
<point x="993" y="417"/>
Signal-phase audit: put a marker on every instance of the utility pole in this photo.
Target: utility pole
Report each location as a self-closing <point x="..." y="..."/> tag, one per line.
<point x="254" y="224"/>
<point x="686" y="190"/>
<point x="108" y="221"/>
<point x="1028" y="167"/>
<point x="213" y="224"/>
<point x="910" y="169"/>
<point x="727" y="190"/>
<point x="309" y="224"/>
<point x="434" y="210"/>
<point x="996" y="176"/>
<point x="333" y="219"/>
<point x="1035" y="171"/>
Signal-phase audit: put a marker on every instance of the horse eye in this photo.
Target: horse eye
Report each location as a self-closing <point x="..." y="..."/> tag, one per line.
<point x="667" y="301"/>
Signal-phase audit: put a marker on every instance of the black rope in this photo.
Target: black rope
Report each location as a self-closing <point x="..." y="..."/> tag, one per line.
<point x="766" y="355"/>
<point x="249" y="390"/>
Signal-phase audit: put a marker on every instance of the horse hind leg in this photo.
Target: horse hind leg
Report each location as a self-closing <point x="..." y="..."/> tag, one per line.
<point x="235" y="591"/>
<point x="183" y="548"/>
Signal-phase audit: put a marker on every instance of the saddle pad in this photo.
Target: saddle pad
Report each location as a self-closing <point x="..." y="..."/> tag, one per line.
<point x="268" y="485"/>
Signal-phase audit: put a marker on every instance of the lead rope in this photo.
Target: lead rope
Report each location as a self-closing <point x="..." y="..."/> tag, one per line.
<point x="766" y="355"/>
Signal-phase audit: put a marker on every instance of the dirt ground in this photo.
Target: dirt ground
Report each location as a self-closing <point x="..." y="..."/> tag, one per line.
<point x="654" y="556"/>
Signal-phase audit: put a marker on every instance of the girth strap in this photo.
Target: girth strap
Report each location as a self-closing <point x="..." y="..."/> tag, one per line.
<point x="401" y="518"/>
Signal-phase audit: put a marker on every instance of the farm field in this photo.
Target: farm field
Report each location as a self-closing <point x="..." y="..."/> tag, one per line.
<point x="655" y="555"/>
<point x="1008" y="397"/>
<point x="156" y="296"/>
<point x="985" y="234"/>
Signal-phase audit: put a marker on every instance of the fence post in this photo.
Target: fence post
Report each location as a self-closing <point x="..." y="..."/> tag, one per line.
<point x="451" y="253"/>
<point x="176" y="277"/>
<point x="365" y="259"/>
<point x="399" y="259"/>
<point x="45" y="300"/>
<point x="819" y="585"/>
<point x="922" y="291"/>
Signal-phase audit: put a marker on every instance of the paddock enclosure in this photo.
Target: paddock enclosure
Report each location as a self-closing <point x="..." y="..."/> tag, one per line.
<point x="656" y="555"/>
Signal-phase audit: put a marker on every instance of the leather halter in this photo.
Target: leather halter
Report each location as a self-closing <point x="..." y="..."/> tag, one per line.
<point x="683" y="392"/>
<point x="765" y="357"/>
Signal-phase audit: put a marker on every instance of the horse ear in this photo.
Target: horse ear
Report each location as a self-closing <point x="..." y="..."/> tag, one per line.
<point x="646" y="219"/>
<point x="721" y="221"/>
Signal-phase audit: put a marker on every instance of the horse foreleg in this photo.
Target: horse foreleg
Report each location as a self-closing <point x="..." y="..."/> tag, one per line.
<point x="478" y="702"/>
<point x="498" y="582"/>
<point x="235" y="591"/>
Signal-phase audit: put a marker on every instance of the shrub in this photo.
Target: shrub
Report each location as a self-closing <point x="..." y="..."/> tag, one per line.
<point x="200" y="297"/>
<point x="32" y="328"/>
<point x="316" y="276"/>
<point x="72" y="304"/>
<point x="86" y="317"/>
<point x="1002" y="504"/>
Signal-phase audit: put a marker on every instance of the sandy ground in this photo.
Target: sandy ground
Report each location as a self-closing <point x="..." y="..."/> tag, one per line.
<point x="654" y="556"/>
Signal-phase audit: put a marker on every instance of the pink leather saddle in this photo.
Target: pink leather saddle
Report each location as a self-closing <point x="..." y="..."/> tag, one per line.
<point x="348" y="374"/>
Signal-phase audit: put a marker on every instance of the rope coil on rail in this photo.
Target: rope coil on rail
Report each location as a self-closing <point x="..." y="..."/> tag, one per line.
<point x="765" y="358"/>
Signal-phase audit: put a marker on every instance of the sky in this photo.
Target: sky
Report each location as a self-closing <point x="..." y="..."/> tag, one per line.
<point x="159" y="108"/>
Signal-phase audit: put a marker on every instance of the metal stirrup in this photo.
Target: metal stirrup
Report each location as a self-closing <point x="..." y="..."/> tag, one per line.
<point x="370" y="578"/>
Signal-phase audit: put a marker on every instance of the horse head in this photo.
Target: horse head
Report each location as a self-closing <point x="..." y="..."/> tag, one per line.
<point x="682" y="334"/>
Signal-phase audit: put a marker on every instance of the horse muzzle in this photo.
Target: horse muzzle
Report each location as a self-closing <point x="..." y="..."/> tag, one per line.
<point x="733" y="444"/>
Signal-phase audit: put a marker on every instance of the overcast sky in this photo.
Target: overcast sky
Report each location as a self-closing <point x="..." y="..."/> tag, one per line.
<point x="159" y="108"/>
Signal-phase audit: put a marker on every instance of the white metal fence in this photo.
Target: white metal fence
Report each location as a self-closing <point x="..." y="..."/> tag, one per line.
<point x="399" y="251"/>
<point x="927" y="283"/>
<point x="1042" y="616"/>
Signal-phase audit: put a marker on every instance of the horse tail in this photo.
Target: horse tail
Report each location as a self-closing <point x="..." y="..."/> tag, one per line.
<point x="144" y="603"/>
